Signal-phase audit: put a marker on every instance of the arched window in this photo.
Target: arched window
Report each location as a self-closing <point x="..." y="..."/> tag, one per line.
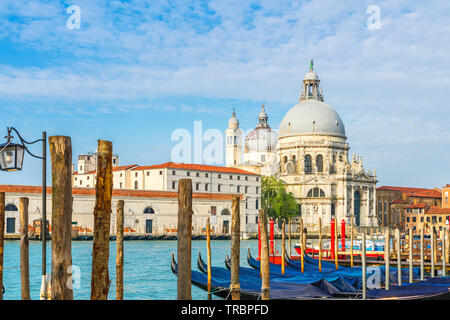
<point x="225" y="212"/>
<point x="149" y="210"/>
<point x="319" y="163"/>
<point x="316" y="193"/>
<point x="308" y="166"/>
<point x="11" y="207"/>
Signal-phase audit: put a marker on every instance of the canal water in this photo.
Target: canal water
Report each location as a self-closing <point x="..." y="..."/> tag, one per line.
<point x="147" y="273"/>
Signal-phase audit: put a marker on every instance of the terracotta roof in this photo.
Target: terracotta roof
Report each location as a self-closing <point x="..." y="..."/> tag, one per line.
<point x="414" y="192"/>
<point x="419" y="205"/>
<point x="198" y="167"/>
<point x="438" y="210"/>
<point x="116" y="192"/>
<point x="119" y="168"/>
<point x="398" y="201"/>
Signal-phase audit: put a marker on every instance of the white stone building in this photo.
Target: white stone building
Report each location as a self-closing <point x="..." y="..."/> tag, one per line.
<point x="146" y="212"/>
<point x="205" y="179"/>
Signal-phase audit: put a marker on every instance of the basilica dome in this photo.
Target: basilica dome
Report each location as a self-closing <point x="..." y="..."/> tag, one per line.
<point x="312" y="117"/>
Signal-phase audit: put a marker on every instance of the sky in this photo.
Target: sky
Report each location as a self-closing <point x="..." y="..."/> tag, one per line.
<point x="135" y="71"/>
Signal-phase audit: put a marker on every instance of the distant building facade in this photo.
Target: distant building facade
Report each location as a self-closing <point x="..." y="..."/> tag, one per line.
<point x="392" y="203"/>
<point x="205" y="179"/>
<point x="146" y="212"/>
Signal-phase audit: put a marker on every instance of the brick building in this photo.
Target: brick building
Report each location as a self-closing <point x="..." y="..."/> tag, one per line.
<point x="392" y="202"/>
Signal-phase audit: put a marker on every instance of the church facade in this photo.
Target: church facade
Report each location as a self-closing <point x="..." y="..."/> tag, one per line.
<point x="312" y="159"/>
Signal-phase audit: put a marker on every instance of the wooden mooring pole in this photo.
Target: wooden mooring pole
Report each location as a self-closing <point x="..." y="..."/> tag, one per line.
<point x="289" y="226"/>
<point x="363" y="258"/>
<point x="320" y="244"/>
<point x="184" y="239"/>
<point x="422" y="276"/>
<point x="433" y="252"/>
<point x="208" y="248"/>
<point x="351" y="242"/>
<point x="302" y="248"/>
<point x="336" y="243"/>
<point x="283" y="244"/>
<point x="2" y="242"/>
<point x="61" y="162"/>
<point x="387" y="256"/>
<point x="24" y="249"/>
<point x="100" y="281"/>
<point x="235" y="248"/>
<point x="265" y="272"/>
<point x="444" y="246"/>
<point x="119" y="244"/>
<point x="411" y="256"/>
<point x="399" y="256"/>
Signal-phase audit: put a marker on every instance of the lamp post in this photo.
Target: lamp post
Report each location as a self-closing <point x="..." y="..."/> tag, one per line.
<point x="11" y="159"/>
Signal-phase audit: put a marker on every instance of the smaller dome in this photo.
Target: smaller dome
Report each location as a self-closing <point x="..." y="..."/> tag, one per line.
<point x="233" y="123"/>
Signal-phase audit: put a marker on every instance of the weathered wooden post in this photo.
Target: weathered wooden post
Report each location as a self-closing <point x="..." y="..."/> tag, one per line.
<point x="61" y="161"/>
<point x="410" y="256"/>
<point x="119" y="255"/>
<point x="184" y="239"/>
<point x="235" y="248"/>
<point x="421" y="255"/>
<point x="289" y="226"/>
<point x="24" y="249"/>
<point x="208" y="248"/>
<point x="399" y="256"/>
<point x="363" y="258"/>
<point x="387" y="258"/>
<point x="444" y="245"/>
<point x="265" y="272"/>
<point x="2" y="233"/>
<point x="351" y="242"/>
<point x="447" y="231"/>
<point x="320" y="244"/>
<point x="305" y="238"/>
<point x="283" y="244"/>
<point x="433" y="252"/>
<point x="302" y="248"/>
<point x="336" y="243"/>
<point x="100" y="281"/>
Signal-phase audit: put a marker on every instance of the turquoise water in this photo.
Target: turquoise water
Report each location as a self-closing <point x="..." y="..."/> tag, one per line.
<point x="147" y="273"/>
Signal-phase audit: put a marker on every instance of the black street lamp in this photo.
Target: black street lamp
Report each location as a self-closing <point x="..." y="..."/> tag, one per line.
<point x="11" y="159"/>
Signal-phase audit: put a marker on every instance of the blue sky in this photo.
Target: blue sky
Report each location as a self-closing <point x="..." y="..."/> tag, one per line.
<point x="137" y="70"/>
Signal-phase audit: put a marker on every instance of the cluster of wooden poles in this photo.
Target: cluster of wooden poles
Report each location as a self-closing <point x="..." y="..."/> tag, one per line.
<point x="61" y="287"/>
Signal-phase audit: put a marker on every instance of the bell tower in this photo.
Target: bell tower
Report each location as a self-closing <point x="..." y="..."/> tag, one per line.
<point x="233" y="142"/>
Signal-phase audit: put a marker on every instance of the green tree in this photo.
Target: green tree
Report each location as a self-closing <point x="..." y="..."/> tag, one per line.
<point x="275" y="200"/>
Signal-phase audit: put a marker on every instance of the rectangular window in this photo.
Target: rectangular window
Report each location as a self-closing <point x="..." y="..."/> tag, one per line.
<point x="239" y="177"/>
<point x="257" y="204"/>
<point x="206" y="187"/>
<point x="160" y="172"/>
<point x="231" y="177"/>
<point x="257" y="179"/>
<point x="421" y="219"/>
<point x="256" y="219"/>
<point x="119" y="187"/>
<point x="173" y="172"/>
<point x="136" y="174"/>
<point x="257" y="190"/>
<point x="219" y="176"/>
<point x="446" y="197"/>
<point x="219" y="188"/>
<point x="246" y="178"/>
<point x="414" y="219"/>
<point x="407" y="220"/>
<point x="246" y="189"/>
<point x="148" y="173"/>
<point x="197" y="186"/>
<point x="174" y="184"/>
<point x="206" y="175"/>
<point x="188" y="174"/>
<point x="197" y="174"/>
<point x="81" y="182"/>
<point x="213" y="210"/>
<point x="238" y="189"/>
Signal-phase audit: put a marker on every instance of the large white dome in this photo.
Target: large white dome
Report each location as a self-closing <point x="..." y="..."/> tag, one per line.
<point x="312" y="117"/>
